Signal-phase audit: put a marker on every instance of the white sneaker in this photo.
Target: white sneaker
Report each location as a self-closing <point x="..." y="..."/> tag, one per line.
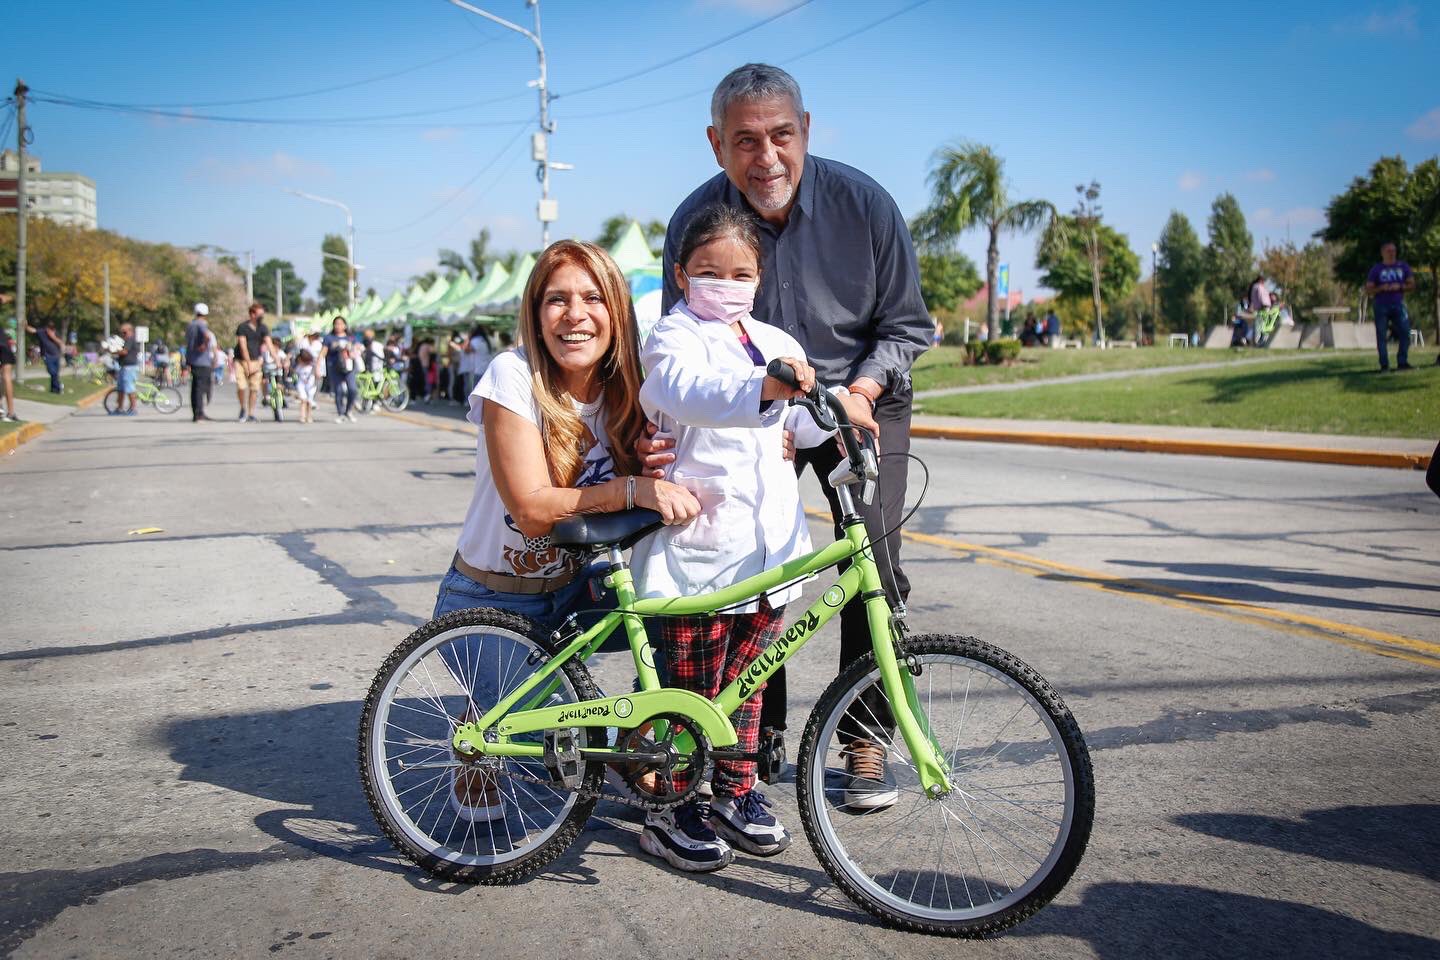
<point x="353" y="418"/>
<point x="683" y="838"/>
<point x="745" y="822"/>
<point x="341" y="420"/>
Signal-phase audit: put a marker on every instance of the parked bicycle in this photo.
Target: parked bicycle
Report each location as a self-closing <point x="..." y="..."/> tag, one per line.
<point x="383" y="389"/>
<point x="274" y="390"/>
<point x="163" y="399"/>
<point x="993" y="775"/>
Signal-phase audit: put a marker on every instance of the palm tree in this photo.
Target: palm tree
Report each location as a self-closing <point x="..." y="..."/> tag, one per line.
<point x="968" y="190"/>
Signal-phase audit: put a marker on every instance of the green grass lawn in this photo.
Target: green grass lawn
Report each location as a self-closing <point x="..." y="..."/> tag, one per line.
<point x="38" y="389"/>
<point x="1339" y="393"/>
<point x="8" y="427"/>
<point x="944" y="366"/>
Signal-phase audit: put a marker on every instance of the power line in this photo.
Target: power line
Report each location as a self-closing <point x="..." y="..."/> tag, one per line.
<point x="319" y="90"/>
<point x="463" y="187"/>
<point x="676" y="59"/>
<point x="707" y="89"/>
<point x="372" y="120"/>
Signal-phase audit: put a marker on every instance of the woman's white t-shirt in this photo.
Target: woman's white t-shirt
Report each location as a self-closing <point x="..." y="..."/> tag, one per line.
<point x="489" y="539"/>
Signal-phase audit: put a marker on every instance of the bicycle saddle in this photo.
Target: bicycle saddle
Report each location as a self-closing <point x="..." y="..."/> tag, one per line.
<point x="622" y="528"/>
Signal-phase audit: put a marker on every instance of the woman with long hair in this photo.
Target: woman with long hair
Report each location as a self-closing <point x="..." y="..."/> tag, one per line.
<point x="558" y="422"/>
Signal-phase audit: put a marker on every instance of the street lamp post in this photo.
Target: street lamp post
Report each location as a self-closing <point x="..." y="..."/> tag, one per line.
<point x="548" y="210"/>
<point x="349" y="228"/>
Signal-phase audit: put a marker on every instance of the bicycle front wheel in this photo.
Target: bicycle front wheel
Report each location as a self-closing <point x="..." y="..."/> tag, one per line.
<point x="397" y="399"/>
<point x="167" y="400"/>
<point x="1007" y="837"/>
<point x="513" y="819"/>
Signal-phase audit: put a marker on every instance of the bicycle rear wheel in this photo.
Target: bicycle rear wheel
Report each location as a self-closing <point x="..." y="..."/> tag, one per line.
<point x="1012" y="830"/>
<point x="167" y="400"/>
<point x="112" y="401"/>
<point x="449" y="670"/>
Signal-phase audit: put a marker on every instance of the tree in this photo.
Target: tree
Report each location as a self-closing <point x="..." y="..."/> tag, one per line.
<point x="1230" y="255"/>
<point x="334" y="273"/>
<point x="611" y="229"/>
<point x="1306" y="276"/>
<point x="293" y="286"/>
<point x="452" y="263"/>
<point x="968" y="190"/>
<point x="947" y="279"/>
<point x="1087" y="217"/>
<point x="1069" y="269"/>
<point x="1181" y="269"/>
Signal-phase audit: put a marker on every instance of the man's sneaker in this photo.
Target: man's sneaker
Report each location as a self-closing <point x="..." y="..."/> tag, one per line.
<point x="352" y="417"/>
<point x="341" y="420"/>
<point x="474" y="796"/>
<point x="683" y="838"/>
<point x="868" y="785"/>
<point x="241" y="418"/>
<point x="746" y="823"/>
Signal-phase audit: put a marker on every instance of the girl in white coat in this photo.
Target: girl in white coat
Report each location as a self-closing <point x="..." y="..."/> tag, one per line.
<point x="706" y="383"/>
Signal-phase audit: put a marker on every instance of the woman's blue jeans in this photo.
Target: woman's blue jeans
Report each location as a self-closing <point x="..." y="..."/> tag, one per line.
<point x="345" y="392"/>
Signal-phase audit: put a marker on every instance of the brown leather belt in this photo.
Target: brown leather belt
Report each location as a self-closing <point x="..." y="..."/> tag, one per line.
<point x="507" y="583"/>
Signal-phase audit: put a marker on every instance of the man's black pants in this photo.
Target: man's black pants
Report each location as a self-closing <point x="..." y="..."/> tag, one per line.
<point x="893" y="415"/>
<point x="202" y="380"/>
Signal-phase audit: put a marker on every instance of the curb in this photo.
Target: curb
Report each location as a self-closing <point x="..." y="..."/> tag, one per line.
<point x="25" y="434"/>
<point x="30" y="431"/>
<point x="1196" y="448"/>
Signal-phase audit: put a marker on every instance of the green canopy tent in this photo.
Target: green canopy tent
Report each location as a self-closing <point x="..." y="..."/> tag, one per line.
<point x="445" y="308"/>
<point x="390" y="309"/>
<point x="460" y="308"/>
<point x="505" y="300"/>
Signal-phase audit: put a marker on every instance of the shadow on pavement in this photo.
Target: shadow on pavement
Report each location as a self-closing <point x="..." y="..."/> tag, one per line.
<point x="1401" y="837"/>
<point x="1143" y="921"/>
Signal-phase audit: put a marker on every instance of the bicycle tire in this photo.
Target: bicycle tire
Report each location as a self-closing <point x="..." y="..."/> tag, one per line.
<point x="399" y="825"/>
<point x="818" y="814"/>
<point x="397" y="400"/>
<point x="167" y="400"/>
<point x="112" y="401"/>
<point x="277" y="405"/>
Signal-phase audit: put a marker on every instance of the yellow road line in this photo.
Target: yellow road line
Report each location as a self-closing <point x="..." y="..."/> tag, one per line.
<point x="433" y="423"/>
<point x="1346" y="634"/>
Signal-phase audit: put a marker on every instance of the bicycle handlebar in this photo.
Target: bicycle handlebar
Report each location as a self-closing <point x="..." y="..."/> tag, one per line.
<point x="825" y="407"/>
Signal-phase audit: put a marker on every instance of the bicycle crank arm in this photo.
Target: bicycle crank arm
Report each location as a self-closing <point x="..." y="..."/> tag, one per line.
<point x="623" y="756"/>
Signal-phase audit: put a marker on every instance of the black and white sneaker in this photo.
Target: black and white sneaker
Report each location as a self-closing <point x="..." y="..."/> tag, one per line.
<point x="683" y="838"/>
<point x="745" y="822"/>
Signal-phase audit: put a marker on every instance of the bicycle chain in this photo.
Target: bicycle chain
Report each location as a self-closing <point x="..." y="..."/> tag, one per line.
<point x="628" y="801"/>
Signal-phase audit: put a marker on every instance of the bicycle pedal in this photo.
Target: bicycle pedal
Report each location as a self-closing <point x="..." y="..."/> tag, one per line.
<point x="562" y="758"/>
<point x="770" y="756"/>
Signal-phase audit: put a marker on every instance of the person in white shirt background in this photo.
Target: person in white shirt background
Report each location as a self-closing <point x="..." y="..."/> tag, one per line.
<point x="705" y="378"/>
<point x="477" y="357"/>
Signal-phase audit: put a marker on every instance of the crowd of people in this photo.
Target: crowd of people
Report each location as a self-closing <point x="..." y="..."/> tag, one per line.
<point x="315" y="363"/>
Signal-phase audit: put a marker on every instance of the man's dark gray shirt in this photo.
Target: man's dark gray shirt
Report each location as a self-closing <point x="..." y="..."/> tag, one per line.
<point x="840" y="277"/>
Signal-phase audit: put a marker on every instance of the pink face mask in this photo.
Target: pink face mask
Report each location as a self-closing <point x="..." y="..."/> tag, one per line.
<point x="720" y="301"/>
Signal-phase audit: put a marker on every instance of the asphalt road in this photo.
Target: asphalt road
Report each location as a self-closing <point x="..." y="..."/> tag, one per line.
<point x="1253" y="651"/>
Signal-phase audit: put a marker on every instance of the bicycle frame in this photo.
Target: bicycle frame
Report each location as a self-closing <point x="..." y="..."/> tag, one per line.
<point x="712" y="717"/>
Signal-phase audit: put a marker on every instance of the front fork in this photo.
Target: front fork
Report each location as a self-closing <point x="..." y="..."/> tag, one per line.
<point x="897" y="680"/>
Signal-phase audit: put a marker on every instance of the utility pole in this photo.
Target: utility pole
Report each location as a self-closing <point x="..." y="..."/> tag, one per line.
<point x="249" y="277"/>
<point x="21" y="204"/>
<point x="279" y="297"/>
<point x="350" y="229"/>
<point x="548" y="210"/>
<point x="1154" y="288"/>
<point x="107" y="299"/>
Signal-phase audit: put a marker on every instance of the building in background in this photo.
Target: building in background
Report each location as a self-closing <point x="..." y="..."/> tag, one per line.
<point x="67" y="198"/>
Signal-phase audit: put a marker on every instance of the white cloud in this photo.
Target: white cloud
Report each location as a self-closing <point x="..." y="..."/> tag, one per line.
<point x="270" y="169"/>
<point x="1427" y="127"/>
<point x="1263" y="175"/>
<point x="439" y="134"/>
<point x="1296" y="217"/>
<point x="1191" y="180"/>
<point x="1402" y="21"/>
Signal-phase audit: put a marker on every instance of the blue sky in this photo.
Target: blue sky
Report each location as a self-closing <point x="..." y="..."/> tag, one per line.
<point x="1166" y="105"/>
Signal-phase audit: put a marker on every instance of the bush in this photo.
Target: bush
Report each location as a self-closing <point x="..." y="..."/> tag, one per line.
<point x="993" y="352"/>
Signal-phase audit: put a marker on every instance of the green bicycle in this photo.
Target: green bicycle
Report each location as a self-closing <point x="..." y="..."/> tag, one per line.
<point x="163" y="399"/>
<point x="992" y="778"/>
<point x="274" y="394"/>
<point x="383" y="389"/>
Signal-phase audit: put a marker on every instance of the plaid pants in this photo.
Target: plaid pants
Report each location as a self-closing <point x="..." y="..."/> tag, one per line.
<point x="706" y="654"/>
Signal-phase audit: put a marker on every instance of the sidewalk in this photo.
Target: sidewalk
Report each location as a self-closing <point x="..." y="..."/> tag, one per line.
<point x="1391" y="452"/>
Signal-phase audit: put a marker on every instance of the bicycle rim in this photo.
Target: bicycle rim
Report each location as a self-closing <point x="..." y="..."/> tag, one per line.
<point x="167" y="399"/>
<point x="460" y="673"/>
<point x="1006" y="838"/>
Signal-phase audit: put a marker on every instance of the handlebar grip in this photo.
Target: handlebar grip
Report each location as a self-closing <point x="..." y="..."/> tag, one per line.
<point x="783" y="372"/>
